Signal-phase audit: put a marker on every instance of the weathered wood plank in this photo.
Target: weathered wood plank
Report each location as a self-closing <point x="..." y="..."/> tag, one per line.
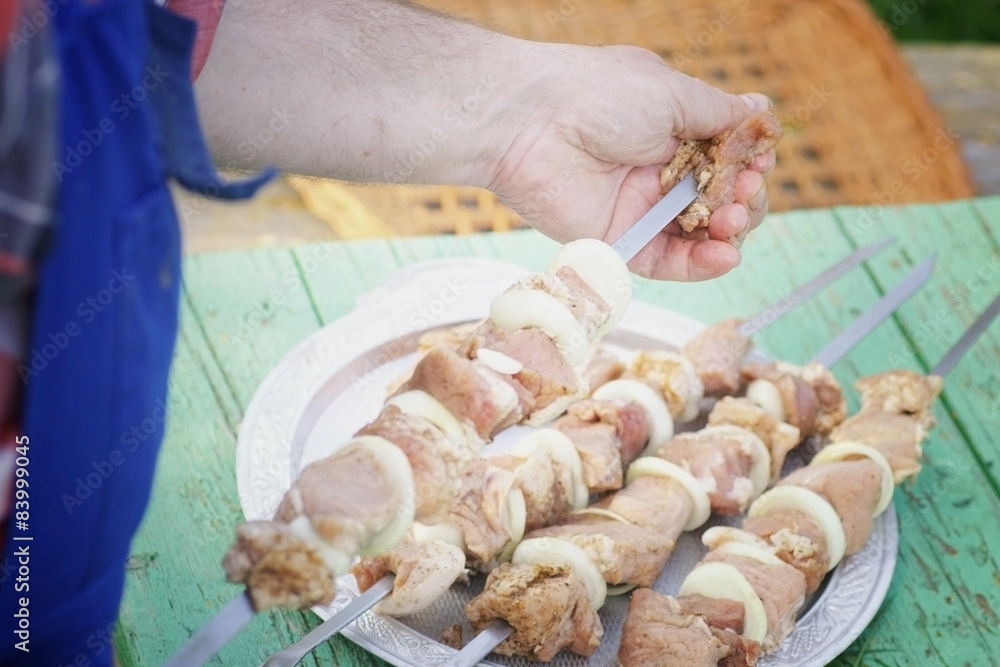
<point x="252" y="308"/>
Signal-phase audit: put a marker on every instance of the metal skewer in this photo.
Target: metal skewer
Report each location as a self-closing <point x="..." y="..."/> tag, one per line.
<point x="482" y="644"/>
<point x="861" y="327"/>
<point x="760" y="321"/>
<point x="331" y="626"/>
<point x="970" y="336"/>
<point x="216" y="633"/>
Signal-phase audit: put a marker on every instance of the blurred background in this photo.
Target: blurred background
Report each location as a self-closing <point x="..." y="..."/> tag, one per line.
<point x="883" y="102"/>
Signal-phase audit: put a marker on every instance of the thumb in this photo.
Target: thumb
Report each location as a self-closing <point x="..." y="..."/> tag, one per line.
<point x="704" y="111"/>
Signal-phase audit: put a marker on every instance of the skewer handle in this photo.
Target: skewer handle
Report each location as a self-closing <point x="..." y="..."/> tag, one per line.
<point x="481" y="645"/>
<point x="216" y="634"/>
<point x="332" y="625"/>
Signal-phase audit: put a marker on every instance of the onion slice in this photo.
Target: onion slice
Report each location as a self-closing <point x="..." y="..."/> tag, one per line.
<point x="517" y="514"/>
<point x="438" y="532"/>
<point x="603" y="513"/>
<point x="661" y="424"/>
<point x="840" y="451"/>
<point x="398" y="466"/>
<point x="701" y="507"/>
<point x="621" y="589"/>
<point x="604" y="272"/>
<point x="522" y="308"/>
<point x="747" y="550"/>
<point x="553" y="551"/>
<point x="721" y="581"/>
<point x="818" y="508"/>
<point x="498" y="361"/>
<point x="419" y="403"/>
<point x="766" y="395"/>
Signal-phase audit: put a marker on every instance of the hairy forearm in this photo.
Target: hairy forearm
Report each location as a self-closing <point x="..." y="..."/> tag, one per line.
<point x="365" y="90"/>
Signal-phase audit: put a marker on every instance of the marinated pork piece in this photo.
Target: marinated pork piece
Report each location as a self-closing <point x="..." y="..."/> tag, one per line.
<point x="599" y="449"/>
<point x="629" y="419"/>
<point x="811" y="397"/>
<point x="717" y="162"/>
<point x="896" y="437"/>
<point x="779" y="436"/>
<point x="799" y="402"/>
<point x="347" y="498"/>
<point x="725" y="619"/>
<point x="853" y="488"/>
<point x="659" y="633"/>
<point x="625" y="554"/>
<point x="653" y="502"/>
<point x="278" y="568"/>
<point x="450" y="337"/>
<point x="590" y="310"/>
<point x="797" y="540"/>
<point x="722" y="464"/>
<point x="781" y="588"/>
<point x="674" y="377"/>
<point x="452" y="636"/>
<point x="717" y="353"/>
<point x="546" y="484"/>
<point x="480" y="510"/>
<point x="743" y="652"/>
<point x="722" y="614"/>
<point x="436" y="458"/>
<point x="476" y="399"/>
<point x="601" y="369"/>
<point x="901" y="393"/>
<point x="547" y="605"/>
<point x="608" y="436"/>
<point x="832" y="404"/>
<point x="545" y="374"/>
<point x="424" y="572"/>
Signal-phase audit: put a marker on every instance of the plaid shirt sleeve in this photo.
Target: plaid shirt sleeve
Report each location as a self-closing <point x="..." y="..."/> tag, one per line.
<point x="206" y="13"/>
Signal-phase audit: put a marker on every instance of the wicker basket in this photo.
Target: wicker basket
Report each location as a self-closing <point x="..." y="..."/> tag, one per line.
<point x="859" y="127"/>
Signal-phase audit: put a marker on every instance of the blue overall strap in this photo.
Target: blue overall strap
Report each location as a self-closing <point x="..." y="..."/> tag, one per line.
<point x="171" y="38"/>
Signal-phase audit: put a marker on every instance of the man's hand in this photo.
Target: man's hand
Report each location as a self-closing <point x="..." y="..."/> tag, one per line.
<point x="571" y="137"/>
<point x="587" y="162"/>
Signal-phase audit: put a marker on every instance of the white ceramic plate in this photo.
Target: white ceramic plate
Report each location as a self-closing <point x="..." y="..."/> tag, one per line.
<point x="335" y="381"/>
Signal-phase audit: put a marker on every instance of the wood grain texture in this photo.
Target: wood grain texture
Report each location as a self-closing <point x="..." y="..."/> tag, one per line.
<point x="943" y="604"/>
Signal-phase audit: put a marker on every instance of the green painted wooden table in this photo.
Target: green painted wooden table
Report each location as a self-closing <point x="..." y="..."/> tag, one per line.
<point x="243" y="311"/>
